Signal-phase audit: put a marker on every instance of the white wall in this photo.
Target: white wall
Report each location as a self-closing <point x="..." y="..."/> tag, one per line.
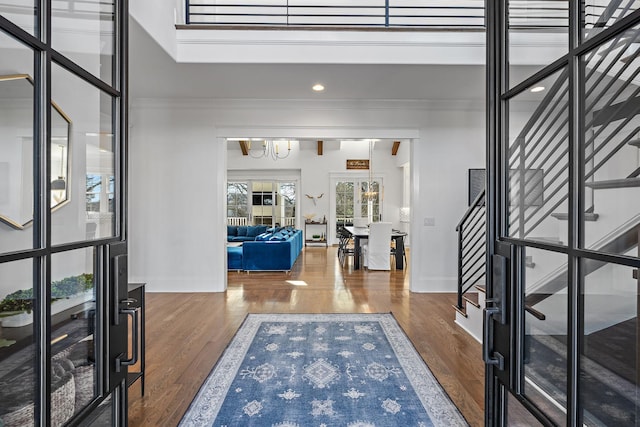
<point x="451" y="142"/>
<point x="175" y="219"/>
<point x="177" y="178"/>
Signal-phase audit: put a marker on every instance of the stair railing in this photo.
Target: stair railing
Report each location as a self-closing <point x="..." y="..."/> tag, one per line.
<point x="471" y="247"/>
<point x="543" y="142"/>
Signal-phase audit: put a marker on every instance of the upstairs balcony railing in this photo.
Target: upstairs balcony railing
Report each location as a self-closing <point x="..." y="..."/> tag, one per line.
<point x="418" y="14"/>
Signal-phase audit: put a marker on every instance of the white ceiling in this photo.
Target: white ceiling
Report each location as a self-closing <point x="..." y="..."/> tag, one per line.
<point x="154" y="74"/>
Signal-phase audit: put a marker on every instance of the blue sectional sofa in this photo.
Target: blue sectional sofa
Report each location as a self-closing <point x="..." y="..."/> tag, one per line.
<point x="275" y="250"/>
<point x="244" y="233"/>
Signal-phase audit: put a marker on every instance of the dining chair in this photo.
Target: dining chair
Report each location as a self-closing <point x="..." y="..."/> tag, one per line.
<point x="360" y="222"/>
<point x="345" y="245"/>
<point x="394" y="249"/>
<point x="376" y="250"/>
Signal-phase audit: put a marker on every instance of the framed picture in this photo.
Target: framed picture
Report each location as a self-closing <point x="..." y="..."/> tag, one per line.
<point x="476" y="183"/>
<point x="358" y="164"/>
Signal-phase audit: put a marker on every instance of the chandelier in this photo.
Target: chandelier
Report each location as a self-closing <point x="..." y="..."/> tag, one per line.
<point x="269" y="148"/>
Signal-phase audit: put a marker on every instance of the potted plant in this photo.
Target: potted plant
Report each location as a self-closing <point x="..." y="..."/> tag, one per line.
<point x="316" y="237"/>
<point x="16" y="308"/>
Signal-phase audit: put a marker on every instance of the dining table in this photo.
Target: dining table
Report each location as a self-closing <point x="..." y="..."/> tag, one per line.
<point x="360" y="233"/>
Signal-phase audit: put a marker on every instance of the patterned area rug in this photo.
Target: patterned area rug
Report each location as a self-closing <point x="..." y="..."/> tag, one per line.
<point x="303" y="370"/>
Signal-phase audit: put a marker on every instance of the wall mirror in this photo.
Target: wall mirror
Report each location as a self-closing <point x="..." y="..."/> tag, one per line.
<point x="16" y="152"/>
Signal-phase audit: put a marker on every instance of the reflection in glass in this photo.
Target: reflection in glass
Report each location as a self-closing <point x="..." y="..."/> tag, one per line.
<point x="84" y="32"/>
<point x="16" y="150"/>
<point x="19" y="211"/>
<point x="610" y="388"/>
<point x="73" y="325"/>
<point x="538" y="158"/>
<point x="22" y="13"/>
<point x="93" y="138"/>
<point x="537" y="36"/>
<point x="103" y="415"/>
<point x="16" y="145"/>
<point x="18" y="379"/>
<point x="519" y="416"/>
<point x="612" y="144"/>
<point x="545" y="340"/>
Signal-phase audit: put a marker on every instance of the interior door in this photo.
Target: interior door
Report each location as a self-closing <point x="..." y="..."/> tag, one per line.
<point x="561" y="323"/>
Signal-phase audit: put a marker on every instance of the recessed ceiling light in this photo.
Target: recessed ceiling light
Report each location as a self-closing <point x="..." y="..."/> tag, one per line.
<point x="318" y="87"/>
<point x="537" y="89"/>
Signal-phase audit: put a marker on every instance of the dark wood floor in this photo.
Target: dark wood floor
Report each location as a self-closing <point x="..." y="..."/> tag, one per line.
<point x="187" y="332"/>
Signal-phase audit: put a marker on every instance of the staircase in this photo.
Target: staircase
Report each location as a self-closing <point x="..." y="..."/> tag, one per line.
<point x="538" y="182"/>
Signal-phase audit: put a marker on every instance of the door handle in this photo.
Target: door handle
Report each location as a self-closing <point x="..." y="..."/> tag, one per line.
<point x="487" y="343"/>
<point x="120" y="360"/>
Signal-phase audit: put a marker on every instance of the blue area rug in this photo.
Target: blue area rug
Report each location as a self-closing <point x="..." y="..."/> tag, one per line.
<point x="303" y="370"/>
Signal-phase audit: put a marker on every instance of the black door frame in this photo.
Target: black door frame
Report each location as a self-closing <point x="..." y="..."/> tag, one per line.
<point x="505" y="379"/>
<point x="44" y="56"/>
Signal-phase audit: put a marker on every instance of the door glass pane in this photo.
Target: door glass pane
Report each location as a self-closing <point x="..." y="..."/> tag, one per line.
<point x="16" y="145"/>
<point x="90" y="185"/>
<point x="263" y="203"/>
<point x="370" y="201"/>
<point x="600" y="15"/>
<point x="18" y="352"/>
<point x="538" y="157"/>
<point x="287" y="203"/>
<point x="538" y="35"/>
<point x="345" y="202"/>
<point x="22" y="13"/>
<point x="612" y="144"/>
<point x="237" y="202"/>
<point x="545" y="340"/>
<point x="73" y="329"/>
<point x="610" y="392"/>
<point x="85" y="33"/>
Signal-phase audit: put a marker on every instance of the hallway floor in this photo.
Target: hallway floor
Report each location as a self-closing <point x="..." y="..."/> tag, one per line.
<point x="187" y="332"/>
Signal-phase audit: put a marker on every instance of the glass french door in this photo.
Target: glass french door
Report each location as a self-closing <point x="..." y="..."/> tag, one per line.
<point x="62" y="213"/>
<point x="262" y="202"/>
<point x="357" y="198"/>
<point x="561" y="341"/>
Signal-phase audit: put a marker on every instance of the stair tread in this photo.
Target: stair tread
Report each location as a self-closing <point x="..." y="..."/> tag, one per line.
<point x="472" y="298"/>
<point x="634" y="142"/>
<point x="614" y="183"/>
<point x="481" y="288"/>
<point x="588" y="216"/>
<point x="460" y="310"/>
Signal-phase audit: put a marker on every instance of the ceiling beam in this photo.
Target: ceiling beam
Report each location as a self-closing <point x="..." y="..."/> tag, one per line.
<point x="394" y="149"/>
<point x="320" y="148"/>
<point x="244" y="147"/>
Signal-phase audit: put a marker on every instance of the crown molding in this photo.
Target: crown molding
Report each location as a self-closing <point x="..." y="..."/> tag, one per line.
<point x="315" y="105"/>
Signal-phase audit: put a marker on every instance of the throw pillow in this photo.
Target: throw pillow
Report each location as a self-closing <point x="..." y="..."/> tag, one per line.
<point x="256" y="230"/>
<point x="242" y="230"/>
<point x="232" y="230"/>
